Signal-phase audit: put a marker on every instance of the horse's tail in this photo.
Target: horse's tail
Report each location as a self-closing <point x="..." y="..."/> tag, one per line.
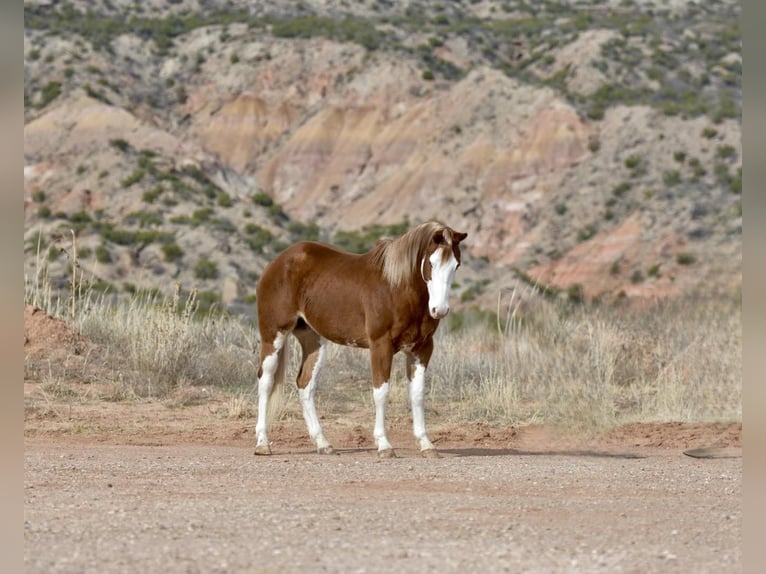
<point x="279" y="376"/>
<point x="277" y="398"/>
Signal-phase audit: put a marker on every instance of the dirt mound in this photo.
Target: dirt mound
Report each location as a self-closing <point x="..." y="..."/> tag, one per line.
<point x="49" y="343"/>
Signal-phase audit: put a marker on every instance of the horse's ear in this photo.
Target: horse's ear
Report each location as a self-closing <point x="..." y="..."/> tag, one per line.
<point x="457" y="236"/>
<point x="438" y="238"/>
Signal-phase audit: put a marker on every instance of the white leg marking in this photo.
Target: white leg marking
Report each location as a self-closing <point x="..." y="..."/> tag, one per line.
<point x="309" y="407"/>
<point x="269" y="367"/>
<point x="380" y="396"/>
<point x="417" y="399"/>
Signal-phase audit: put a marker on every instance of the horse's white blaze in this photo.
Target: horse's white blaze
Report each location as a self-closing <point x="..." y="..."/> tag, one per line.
<point x="309" y="406"/>
<point x="380" y="396"/>
<point x="265" y="383"/>
<point x="442" y="276"/>
<point x="417" y="400"/>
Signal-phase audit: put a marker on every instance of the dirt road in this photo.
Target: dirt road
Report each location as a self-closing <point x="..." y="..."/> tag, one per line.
<point x="217" y="508"/>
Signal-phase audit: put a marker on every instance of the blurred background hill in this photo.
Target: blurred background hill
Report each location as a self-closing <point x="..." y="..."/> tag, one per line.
<point x="591" y="148"/>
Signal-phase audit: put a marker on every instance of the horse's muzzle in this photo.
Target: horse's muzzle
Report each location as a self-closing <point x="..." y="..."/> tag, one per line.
<point x="439" y="312"/>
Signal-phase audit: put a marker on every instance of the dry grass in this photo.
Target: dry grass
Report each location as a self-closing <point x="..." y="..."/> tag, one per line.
<point x="580" y="367"/>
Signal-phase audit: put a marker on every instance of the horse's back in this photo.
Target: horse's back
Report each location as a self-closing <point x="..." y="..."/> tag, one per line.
<point x="329" y="288"/>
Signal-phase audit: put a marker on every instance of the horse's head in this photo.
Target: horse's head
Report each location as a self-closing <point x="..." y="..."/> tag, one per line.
<point x="438" y="267"/>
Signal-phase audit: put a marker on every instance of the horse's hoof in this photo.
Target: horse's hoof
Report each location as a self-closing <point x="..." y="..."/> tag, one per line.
<point x="430" y="453"/>
<point x="326" y="450"/>
<point x="386" y="453"/>
<point x="262" y="450"/>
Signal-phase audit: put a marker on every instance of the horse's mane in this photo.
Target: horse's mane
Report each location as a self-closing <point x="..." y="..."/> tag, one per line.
<point x="399" y="258"/>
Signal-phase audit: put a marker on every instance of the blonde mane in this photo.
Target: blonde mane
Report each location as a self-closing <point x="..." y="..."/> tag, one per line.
<point x="399" y="258"/>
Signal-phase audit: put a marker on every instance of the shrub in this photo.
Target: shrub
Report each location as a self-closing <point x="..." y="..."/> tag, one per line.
<point x="726" y="151"/>
<point x="102" y="254"/>
<point x="709" y="132"/>
<point x="257" y="238"/>
<point x="224" y="199"/>
<point x="172" y="251"/>
<point x="632" y="161"/>
<point x="205" y="269"/>
<point x="134" y="177"/>
<point x="38" y="196"/>
<point x="685" y="258"/>
<point x="736" y="182"/>
<point x="671" y="178"/>
<point x="119" y="144"/>
<point x="152" y="195"/>
<point x="575" y="293"/>
<point x="51" y="91"/>
<point x="586" y="232"/>
<point x="262" y="199"/>
<point x="621" y="189"/>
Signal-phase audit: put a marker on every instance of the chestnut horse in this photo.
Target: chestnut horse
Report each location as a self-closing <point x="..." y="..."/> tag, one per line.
<point x="389" y="299"/>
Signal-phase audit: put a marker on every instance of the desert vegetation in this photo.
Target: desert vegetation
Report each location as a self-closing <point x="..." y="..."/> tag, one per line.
<point x="534" y="360"/>
<point x="643" y="61"/>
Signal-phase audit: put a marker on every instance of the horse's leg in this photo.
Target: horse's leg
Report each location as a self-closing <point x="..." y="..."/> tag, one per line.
<point x="417" y="362"/>
<point x="381" y="355"/>
<point x="313" y="348"/>
<point x="271" y="356"/>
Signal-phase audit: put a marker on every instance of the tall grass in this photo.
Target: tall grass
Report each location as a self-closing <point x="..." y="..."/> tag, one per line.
<point x="577" y="366"/>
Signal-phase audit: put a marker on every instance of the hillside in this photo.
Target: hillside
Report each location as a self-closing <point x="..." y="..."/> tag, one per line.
<point x="592" y="147"/>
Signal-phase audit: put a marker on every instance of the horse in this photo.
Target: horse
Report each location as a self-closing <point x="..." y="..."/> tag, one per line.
<point x="387" y="300"/>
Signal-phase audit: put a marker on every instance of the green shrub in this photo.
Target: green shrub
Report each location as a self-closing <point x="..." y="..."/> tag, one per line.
<point x="134" y="177"/>
<point x="303" y="231"/>
<point x="726" y="151"/>
<point x="119" y="144"/>
<point x="80" y="217"/>
<point x="262" y="199"/>
<point x="38" y="196"/>
<point x="632" y="161"/>
<point x="144" y="218"/>
<point x="709" y="132"/>
<point x="205" y="269"/>
<point x="102" y="254"/>
<point x="224" y="199"/>
<point x="685" y="258"/>
<point x="152" y="195"/>
<point x="201" y="216"/>
<point x="671" y="178"/>
<point x="575" y="293"/>
<point x="621" y="189"/>
<point x="51" y="91"/>
<point x="736" y="182"/>
<point x="587" y="232"/>
<point x="257" y="237"/>
<point x="172" y="251"/>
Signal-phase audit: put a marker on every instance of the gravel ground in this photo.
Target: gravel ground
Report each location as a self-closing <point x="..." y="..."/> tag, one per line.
<point x="96" y="508"/>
